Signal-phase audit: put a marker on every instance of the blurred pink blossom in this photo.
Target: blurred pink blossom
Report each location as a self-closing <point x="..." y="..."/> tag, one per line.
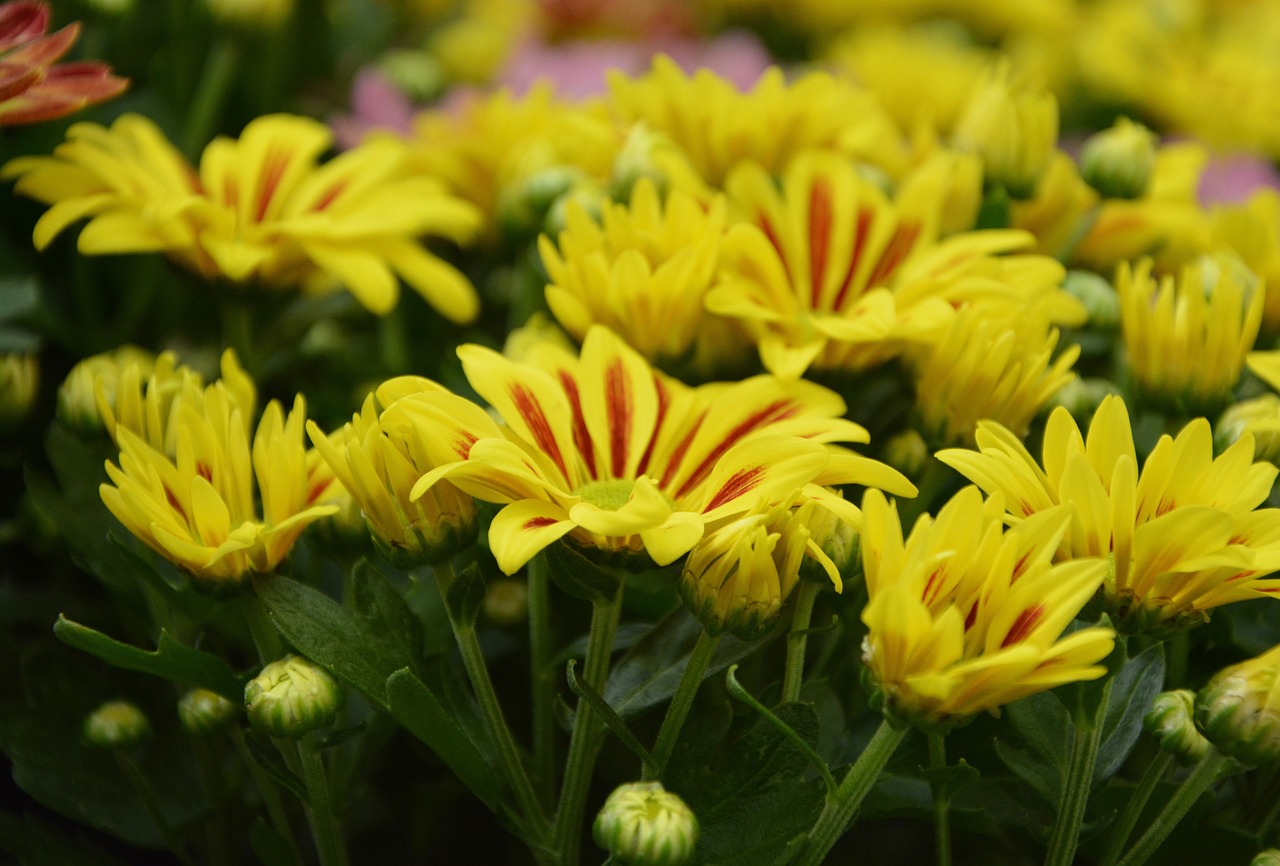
<point x="1233" y="178"/>
<point x="376" y="103"/>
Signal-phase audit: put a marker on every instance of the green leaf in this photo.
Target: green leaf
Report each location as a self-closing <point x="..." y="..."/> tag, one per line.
<point x="270" y="847"/>
<point x="951" y="778"/>
<point x="651" y="670"/>
<point x="19" y="296"/>
<point x="1133" y="691"/>
<point x="1045" y="728"/>
<point x="32" y="841"/>
<point x="382" y="612"/>
<point x="413" y="705"/>
<point x="325" y="632"/>
<point x="171" y="660"/>
<point x="755" y="804"/>
<point x="579" y="576"/>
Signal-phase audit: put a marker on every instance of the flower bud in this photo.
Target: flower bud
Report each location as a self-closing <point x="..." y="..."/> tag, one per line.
<point x="19" y="375"/>
<point x="251" y="14"/>
<point x="116" y="724"/>
<point x="1170" y="723"/>
<point x="907" y="452"/>
<point x="506" y="602"/>
<point x="642" y="824"/>
<point x="204" y="713"/>
<point x="1082" y="397"/>
<point x="77" y="396"/>
<point x="1118" y="162"/>
<point x="641" y="156"/>
<point x="292" y="697"/>
<point x="1239" y="710"/>
<point x="1260" y="417"/>
<point x="415" y="73"/>
<point x="1097" y="296"/>
<point x="523" y="207"/>
<point x="1269" y="857"/>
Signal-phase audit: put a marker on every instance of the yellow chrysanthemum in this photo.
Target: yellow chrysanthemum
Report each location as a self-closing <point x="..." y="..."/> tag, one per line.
<point x="379" y="470"/>
<point x="643" y="271"/>
<point x="260" y="208"/>
<point x="988" y="367"/>
<point x="964" y="617"/>
<point x="77" y="399"/>
<point x="827" y="272"/>
<point x="1014" y="129"/>
<point x="1260" y="418"/>
<point x="1183" y="534"/>
<point x="1252" y="231"/>
<point x="605" y="450"/>
<point x="1186" y="340"/>
<point x="197" y="507"/>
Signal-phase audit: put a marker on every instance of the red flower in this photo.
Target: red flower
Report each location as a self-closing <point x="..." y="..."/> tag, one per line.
<point x="33" y="86"/>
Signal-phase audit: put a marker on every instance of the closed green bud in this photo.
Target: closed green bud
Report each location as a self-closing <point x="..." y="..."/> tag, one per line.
<point x="78" y="395"/>
<point x="642" y="824"/>
<point x="1259" y="416"/>
<point x="1170" y="722"/>
<point x="204" y="713"/>
<point x="1239" y="710"/>
<point x="116" y="724"/>
<point x="1269" y="857"/>
<point x="641" y="156"/>
<point x="1118" y="162"/>
<point x="1098" y="297"/>
<point x="1082" y="397"/>
<point x="907" y="452"/>
<point x="19" y="375"/>
<point x="291" y="697"/>
<point x="506" y="602"/>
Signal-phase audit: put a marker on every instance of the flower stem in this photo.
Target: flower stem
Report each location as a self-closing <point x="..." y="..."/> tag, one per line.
<point x="1200" y="780"/>
<point x="798" y="641"/>
<point x="324" y="823"/>
<point x="584" y="742"/>
<point x="487" y="697"/>
<point x="540" y="675"/>
<point x="841" y="808"/>
<point x="148" y="797"/>
<point x="1075" y="791"/>
<point x="681" y="701"/>
<point x="1128" y="819"/>
<point x="941" y="800"/>
<point x="267" y="788"/>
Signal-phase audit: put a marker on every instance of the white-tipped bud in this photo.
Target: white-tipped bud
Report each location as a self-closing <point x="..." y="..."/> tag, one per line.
<point x="116" y="724"/>
<point x="292" y="697"/>
<point x="642" y="824"/>
<point x="1118" y="162"/>
<point x="204" y="713"/>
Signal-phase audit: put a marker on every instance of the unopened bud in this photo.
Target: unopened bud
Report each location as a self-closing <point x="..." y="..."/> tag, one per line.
<point x="507" y="601"/>
<point x="1239" y="710"/>
<point x="1269" y="857"/>
<point x="1118" y="162"/>
<point x="19" y="375"/>
<point x="642" y="824"/>
<point x="1170" y="723"/>
<point x="116" y="724"/>
<point x="204" y="713"/>
<point x="1097" y="296"/>
<point x="291" y="697"/>
<point x="907" y="452"/>
<point x="416" y="73"/>
<point x="1082" y="397"/>
<point x="1260" y="417"/>
<point x="77" y="397"/>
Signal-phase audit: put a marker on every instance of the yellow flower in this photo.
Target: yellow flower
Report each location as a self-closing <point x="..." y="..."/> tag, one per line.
<point x="261" y="208"/>
<point x="197" y="507"/>
<point x="1186" y="340"/>
<point x="1238" y="711"/>
<point x="1055" y="214"/>
<point x="1252" y="231"/>
<point x="644" y="271"/>
<point x="828" y="272"/>
<point x="1014" y="130"/>
<point x="964" y="617"/>
<point x="989" y="367"/>
<point x="378" y="468"/>
<point x="621" y="459"/>
<point x="1260" y="418"/>
<point x="1183" y="534"/>
<point x="77" y="396"/>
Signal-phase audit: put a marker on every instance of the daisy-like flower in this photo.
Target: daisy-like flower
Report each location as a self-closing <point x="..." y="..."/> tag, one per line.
<point x="77" y="397"/>
<point x="1252" y="230"/>
<point x="603" y="449"/>
<point x="1187" y="339"/>
<point x="1184" y="534"/>
<point x="964" y="617"/>
<point x="261" y="208"/>
<point x="379" y="471"/>
<point x="33" y="86"/>
<point x="644" y="271"/>
<point x="197" y="507"/>
<point x="826" y="271"/>
<point x="988" y="367"/>
<point x="1014" y="129"/>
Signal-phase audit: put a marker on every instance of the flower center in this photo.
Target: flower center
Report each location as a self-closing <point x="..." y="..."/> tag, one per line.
<point x="610" y="495"/>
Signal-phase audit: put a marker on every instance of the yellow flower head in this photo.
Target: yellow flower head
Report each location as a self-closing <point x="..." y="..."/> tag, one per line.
<point x="738" y="577"/>
<point x="988" y="367"/>
<point x="1238" y="711"/>
<point x="379" y="468"/>
<point x="197" y="507"/>
<point x="964" y="617"/>
<point x="607" y="451"/>
<point x="77" y="400"/>
<point x="1186" y="340"/>
<point x="261" y="208"/>
<point x="1252" y="231"/>
<point x="1014" y="129"/>
<point x="644" y="271"/>
<point x="826" y="271"/>
<point x="1183" y="534"/>
<point x="1260" y="418"/>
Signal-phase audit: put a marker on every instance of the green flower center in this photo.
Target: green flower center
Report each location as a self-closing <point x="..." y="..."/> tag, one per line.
<point x="610" y="495"/>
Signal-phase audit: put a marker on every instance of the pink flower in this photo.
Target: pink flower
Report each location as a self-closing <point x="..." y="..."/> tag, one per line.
<point x="376" y="103"/>
<point x="1233" y="178"/>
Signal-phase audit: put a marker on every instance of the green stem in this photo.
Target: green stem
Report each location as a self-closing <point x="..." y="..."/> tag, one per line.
<point x="1177" y="651"/>
<point x="267" y="788"/>
<point x="1075" y="790"/>
<point x="148" y="797"/>
<point x="544" y="730"/>
<point x="941" y="800"/>
<point x="487" y="697"/>
<point x="1128" y="819"/>
<point x="1200" y="780"/>
<point x="584" y="741"/>
<point x="211" y="95"/>
<point x="840" y="809"/>
<point x="324" y="823"/>
<point x="798" y="641"/>
<point x="681" y="701"/>
<point x="215" y="787"/>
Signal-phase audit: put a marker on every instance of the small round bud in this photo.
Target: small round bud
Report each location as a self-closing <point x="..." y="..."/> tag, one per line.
<point x="203" y="713"/>
<point x="19" y="375"/>
<point x="291" y="697"/>
<point x="1170" y="723"/>
<point x="1082" y="397"/>
<point x="640" y="156"/>
<point x="644" y="825"/>
<point x="1239" y="710"/>
<point x="1259" y="416"/>
<point x="907" y="452"/>
<point x="116" y="724"/>
<point x="523" y="207"/>
<point x="78" y="395"/>
<point x="1118" y="162"/>
<point x="1269" y="857"/>
<point x="507" y="601"/>
<point x="1097" y="296"/>
<point x="416" y="73"/>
